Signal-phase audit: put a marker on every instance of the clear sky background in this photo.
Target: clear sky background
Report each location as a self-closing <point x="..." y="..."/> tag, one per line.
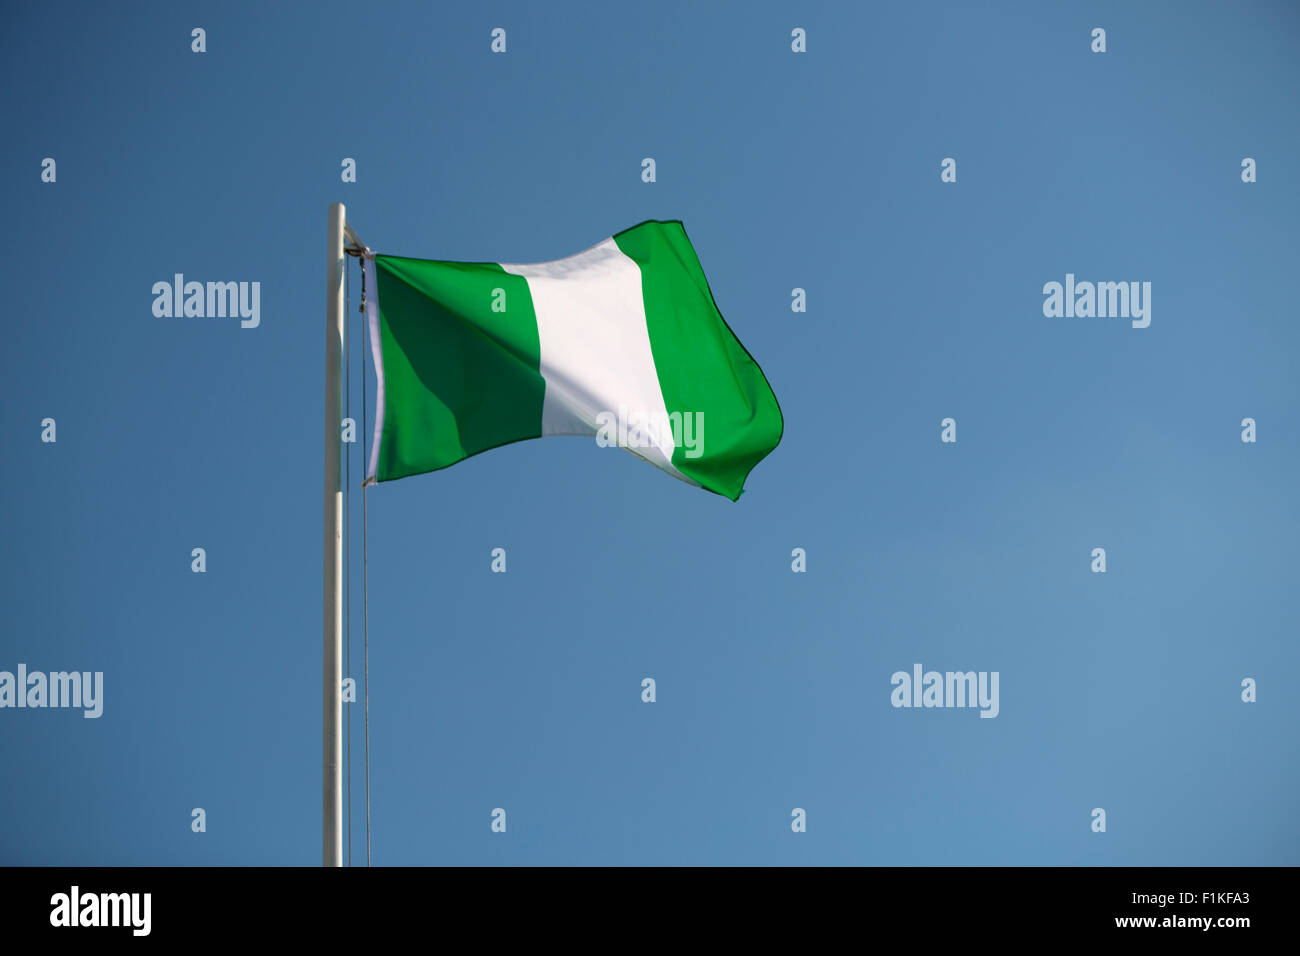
<point x="522" y="690"/>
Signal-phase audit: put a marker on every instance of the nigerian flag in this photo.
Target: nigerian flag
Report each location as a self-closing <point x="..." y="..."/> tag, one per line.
<point x="622" y="342"/>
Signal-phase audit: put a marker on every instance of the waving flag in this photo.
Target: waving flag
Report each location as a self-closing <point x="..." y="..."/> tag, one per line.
<point x="622" y="342"/>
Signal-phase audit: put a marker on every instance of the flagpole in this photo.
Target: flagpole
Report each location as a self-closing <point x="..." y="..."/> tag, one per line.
<point x="333" y="590"/>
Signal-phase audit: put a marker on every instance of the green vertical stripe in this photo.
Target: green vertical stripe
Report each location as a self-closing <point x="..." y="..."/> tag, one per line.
<point x="459" y="378"/>
<point x="702" y="366"/>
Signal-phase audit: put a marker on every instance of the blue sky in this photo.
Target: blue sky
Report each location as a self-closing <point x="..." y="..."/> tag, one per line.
<point x="522" y="691"/>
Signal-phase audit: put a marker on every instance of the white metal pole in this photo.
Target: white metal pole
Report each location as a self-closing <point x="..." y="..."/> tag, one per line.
<point x="333" y="605"/>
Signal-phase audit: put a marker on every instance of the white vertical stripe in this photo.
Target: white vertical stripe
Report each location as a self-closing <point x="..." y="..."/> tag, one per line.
<point x="372" y="319"/>
<point x="595" y="347"/>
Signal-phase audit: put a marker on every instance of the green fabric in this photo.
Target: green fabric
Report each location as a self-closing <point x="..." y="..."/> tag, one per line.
<point x="458" y="378"/>
<point x="702" y="366"/>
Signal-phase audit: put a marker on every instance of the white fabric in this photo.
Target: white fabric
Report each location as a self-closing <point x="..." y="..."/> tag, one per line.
<point x="372" y="319"/>
<point x="595" y="348"/>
